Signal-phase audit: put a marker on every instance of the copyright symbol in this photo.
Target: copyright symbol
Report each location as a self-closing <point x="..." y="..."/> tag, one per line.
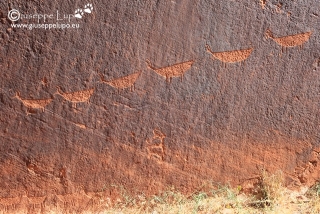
<point x="14" y="15"/>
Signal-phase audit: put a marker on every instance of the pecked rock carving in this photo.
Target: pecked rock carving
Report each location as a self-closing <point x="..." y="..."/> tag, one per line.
<point x="231" y="56"/>
<point x="10" y="203"/>
<point x="36" y="201"/>
<point x="123" y="82"/>
<point x="155" y="145"/>
<point x="34" y="103"/>
<point x="176" y="70"/>
<point x="221" y="125"/>
<point x="76" y="97"/>
<point x="291" y="40"/>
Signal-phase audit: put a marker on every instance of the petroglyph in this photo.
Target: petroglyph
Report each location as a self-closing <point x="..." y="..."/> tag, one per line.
<point x="176" y="70"/>
<point x="8" y="203"/>
<point x="32" y="167"/>
<point x="263" y="3"/>
<point x="73" y="199"/>
<point x="67" y="200"/>
<point x="155" y="145"/>
<point x="207" y="97"/>
<point x="279" y="7"/>
<point x="34" y="201"/>
<point x="44" y="81"/>
<point x="231" y="56"/>
<point x="123" y="82"/>
<point x="33" y="103"/>
<point x="82" y="126"/>
<point x="291" y="40"/>
<point x="76" y="97"/>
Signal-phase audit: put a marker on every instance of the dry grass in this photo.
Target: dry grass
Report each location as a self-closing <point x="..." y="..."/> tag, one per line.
<point x="267" y="195"/>
<point x="270" y="197"/>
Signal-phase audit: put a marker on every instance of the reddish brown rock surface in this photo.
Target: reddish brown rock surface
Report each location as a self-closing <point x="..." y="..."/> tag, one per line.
<point x="65" y="134"/>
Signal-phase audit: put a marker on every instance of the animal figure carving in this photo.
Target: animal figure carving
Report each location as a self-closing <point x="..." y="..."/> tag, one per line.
<point x="176" y="70"/>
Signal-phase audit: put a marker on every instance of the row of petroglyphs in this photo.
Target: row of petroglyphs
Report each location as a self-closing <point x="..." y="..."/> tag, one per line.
<point x="176" y="70"/>
<point x="11" y="203"/>
<point x="74" y="97"/>
<point x="67" y="200"/>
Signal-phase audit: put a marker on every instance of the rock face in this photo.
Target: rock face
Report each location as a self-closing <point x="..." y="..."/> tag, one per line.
<point x="151" y="94"/>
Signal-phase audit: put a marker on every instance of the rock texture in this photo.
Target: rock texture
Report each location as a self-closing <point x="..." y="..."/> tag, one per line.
<point x="151" y="94"/>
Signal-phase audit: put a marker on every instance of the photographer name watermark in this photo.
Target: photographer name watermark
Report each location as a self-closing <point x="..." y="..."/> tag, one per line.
<point x="45" y="21"/>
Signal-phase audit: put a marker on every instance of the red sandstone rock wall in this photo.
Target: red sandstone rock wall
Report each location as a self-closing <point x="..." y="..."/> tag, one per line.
<point x="151" y="94"/>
